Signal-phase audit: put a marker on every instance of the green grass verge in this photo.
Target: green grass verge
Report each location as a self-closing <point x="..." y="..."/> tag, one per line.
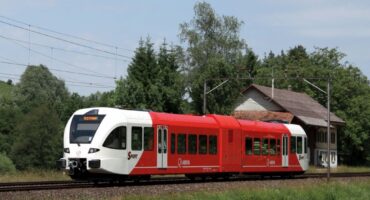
<point x="34" y="175"/>
<point x="339" y="169"/>
<point x="332" y="191"/>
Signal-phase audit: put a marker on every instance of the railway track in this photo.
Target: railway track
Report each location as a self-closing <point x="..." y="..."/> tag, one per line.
<point x="50" y="185"/>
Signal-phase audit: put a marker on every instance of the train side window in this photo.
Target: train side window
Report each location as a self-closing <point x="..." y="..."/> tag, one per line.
<point x="248" y="146"/>
<point x="137" y="138"/>
<point x="212" y="144"/>
<point x="278" y="146"/>
<point x="272" y="146"/>
<point x="293" y="144"/>
<point x="299" y="145"/>
<point x="181" y="143"/>
<point x="116" y="139"/>
<point x="256" y="146"/>
<point x="173" y="143"/>
<point x="265" y="146"/>
<point x="192" y="144"/>
<point x="305" y="145"/>
<point x="148" y="138"/>
<point x="202" y="144"/>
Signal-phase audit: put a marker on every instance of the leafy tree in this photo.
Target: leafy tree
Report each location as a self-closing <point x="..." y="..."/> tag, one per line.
<point x="152" y="83"/>
<point x="214" y="50"/>
<point x="38" y="87"/>
<point x="349" y="93"/>
<point x="38" y="140"/>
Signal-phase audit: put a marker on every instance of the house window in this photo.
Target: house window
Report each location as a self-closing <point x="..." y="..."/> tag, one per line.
<point x="332" y="137"/>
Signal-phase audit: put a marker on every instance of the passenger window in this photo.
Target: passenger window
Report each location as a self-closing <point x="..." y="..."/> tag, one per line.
<point x="256" y="146"/>
<point x="181" y="143"/>
<point x="265" y="146"/>
<point x="192" y="144"/>
<point x="212" y="144"/>
<point x="272" y="146"/>
<point x="116" y="139"/>
<point x="293" y="144"/>
<point x="299" y="145"/>
<point x="173" y="143"/>
<point x="305" y="145"/>
<point x="148" y="139"/>
<point x="248" y="146"/>
<point x="202" y="144"/>
<point x="137" y="138"/>
<point x="278" y="146"/>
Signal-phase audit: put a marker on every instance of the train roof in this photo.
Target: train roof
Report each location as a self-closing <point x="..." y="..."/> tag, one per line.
<point x="183" y="120"/>
<point x="258" y="126"/>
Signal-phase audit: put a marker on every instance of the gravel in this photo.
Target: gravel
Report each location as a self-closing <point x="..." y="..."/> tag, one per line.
<point x="119" y="192"/>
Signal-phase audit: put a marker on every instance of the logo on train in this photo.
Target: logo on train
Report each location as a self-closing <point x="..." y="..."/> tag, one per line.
<point x="131" y="155"/>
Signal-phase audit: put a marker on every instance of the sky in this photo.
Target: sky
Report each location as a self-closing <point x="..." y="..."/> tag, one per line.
<point x="269" y="25"/>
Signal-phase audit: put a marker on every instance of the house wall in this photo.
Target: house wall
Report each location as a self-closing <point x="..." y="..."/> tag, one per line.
<point x="253" y="100"/>
<point x="321" y="147"/>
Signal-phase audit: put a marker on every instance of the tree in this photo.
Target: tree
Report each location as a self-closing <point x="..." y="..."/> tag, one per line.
<point x="349" y="94"/>
<point x="38" y="141"/>
<point x="38" y="87"/>
<point x="214" y="50"/>
<point x="170" y="80"/>
<point x="152" y="83"/>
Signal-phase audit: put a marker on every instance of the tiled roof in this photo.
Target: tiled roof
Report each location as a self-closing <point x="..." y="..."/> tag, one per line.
<point x="263" y="115"/>
<point x="299" y="104"/>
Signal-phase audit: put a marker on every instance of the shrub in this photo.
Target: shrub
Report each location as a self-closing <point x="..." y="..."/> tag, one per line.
<point x="6" y="165"/>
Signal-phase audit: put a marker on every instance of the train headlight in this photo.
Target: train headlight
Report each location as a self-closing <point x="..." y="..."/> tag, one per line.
<point x="93" y="150"/>
<point x="66" y="150"/>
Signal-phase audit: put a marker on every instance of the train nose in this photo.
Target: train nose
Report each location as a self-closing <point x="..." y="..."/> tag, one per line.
<point x="73" y="164"/>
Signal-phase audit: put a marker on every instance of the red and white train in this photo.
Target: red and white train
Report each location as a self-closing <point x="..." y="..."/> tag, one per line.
<point x="118" y="144"/>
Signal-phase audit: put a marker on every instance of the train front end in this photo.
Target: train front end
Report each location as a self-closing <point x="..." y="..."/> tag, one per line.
<point x="95" y="144"/>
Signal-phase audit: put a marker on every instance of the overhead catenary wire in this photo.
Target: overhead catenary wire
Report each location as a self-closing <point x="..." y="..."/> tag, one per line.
<point x="58" y="60"/>
<point x="57" y="70"/>
<point x="18" y="76"/>
<point x="64" y="40"/>
<point x="64" y="50"/>
<point x="66" y="34"/>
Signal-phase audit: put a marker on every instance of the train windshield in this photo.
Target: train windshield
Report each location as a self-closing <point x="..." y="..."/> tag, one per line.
<point x="83" y="128"/>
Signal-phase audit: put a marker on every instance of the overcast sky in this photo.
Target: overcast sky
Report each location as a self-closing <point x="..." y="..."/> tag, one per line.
<point x="269" y="25"/>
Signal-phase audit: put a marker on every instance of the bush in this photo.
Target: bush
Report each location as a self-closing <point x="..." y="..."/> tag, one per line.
<point x="6" y="165"/>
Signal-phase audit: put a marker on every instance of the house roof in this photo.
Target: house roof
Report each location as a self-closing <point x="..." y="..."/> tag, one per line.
<point x="264" y="115"/>
<point x="299" y="104"/>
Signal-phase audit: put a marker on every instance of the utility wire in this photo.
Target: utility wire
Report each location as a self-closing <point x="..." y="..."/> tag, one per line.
<point x="57" y="70"/>
<point x="18" y="76"/>
<point x="64" y="40"/>
<point x="52" y="58"/>
<point x="64" y="50"/>
<point x="65" y="34"/>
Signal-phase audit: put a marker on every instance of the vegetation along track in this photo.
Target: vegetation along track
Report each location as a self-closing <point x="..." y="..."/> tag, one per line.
<point x="50" y="185"/>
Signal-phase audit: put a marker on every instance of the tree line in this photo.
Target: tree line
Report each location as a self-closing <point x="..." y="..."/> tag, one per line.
<point x="171" y="78"/>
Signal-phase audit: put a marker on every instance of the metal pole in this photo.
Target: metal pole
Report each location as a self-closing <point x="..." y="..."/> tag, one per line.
<point x="204" y="97"/>
<point x="328" y="131"/>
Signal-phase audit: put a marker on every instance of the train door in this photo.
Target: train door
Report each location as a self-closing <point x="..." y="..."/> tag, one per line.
<point x="285" y="157"/>
<point x="162" y="134"/>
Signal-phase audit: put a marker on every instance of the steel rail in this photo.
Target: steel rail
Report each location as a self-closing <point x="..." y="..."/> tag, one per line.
<point x="50" y="185"/>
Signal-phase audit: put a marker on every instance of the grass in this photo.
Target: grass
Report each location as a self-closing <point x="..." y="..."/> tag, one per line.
<point x="332" y="191"/>
<point x="339" y="169"/>
<point x="34" y="175"/>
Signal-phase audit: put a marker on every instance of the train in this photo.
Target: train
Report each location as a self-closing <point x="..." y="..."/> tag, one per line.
<point x="115" y="144"/>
